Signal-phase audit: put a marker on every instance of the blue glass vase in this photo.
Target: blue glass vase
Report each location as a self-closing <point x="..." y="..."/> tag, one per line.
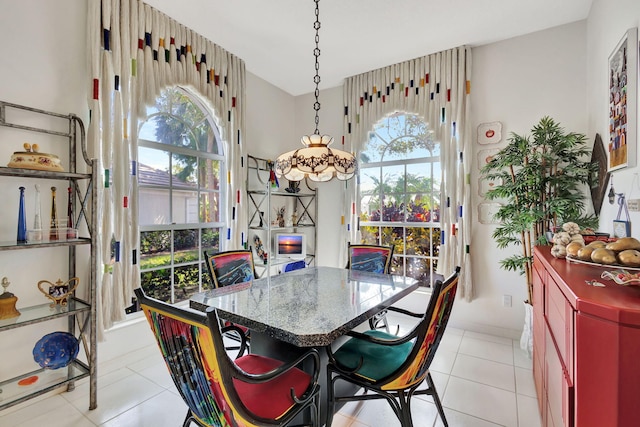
<point x="22" y="219"/>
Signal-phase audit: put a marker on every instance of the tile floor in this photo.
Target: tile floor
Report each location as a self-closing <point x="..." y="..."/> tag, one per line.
<point x="483" y="381"/>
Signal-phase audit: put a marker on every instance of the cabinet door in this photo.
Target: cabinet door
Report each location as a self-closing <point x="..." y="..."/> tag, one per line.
<point x="538" y="334"/>
<point x="558" y="387"/>
<point x="560" y="317"/>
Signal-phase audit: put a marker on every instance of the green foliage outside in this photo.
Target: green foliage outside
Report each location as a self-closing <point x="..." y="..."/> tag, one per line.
<point x="155" y="247"/>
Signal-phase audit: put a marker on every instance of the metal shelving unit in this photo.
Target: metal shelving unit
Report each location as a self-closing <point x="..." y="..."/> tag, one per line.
<point x="81" y="313"/>
<point x="262" y="198"/>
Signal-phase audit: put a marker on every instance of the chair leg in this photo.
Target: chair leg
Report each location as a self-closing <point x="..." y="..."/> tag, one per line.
<point x="187" y="419"/>
<point x="436" y="399"/>
<point x="330" y="398"/>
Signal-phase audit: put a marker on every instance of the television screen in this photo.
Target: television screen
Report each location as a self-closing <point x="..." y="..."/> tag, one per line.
<point x="290" y="245"/>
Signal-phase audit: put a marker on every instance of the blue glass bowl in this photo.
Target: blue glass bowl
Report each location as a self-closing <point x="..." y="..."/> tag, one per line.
<point x="56" y="350"/>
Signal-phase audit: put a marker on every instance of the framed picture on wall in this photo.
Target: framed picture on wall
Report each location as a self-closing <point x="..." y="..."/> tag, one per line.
<point x="623" y="83"/>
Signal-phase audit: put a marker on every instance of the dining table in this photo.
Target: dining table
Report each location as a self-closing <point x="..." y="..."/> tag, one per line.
<point x="313" y="307"/>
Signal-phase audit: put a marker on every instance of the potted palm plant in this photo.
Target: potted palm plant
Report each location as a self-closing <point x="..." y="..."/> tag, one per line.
<point x="541" y="180"/>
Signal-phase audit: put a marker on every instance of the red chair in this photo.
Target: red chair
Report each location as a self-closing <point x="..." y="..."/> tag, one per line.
<point x="374" y="259"/>
<point x="250" y="391"/>
<point x="390" y="367"/>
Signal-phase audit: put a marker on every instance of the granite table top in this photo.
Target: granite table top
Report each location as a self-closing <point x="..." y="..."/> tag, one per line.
<point x="308" y="307"/>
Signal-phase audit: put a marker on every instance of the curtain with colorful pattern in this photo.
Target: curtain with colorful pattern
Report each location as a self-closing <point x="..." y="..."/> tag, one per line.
<point x="436" y="87"/>
<point x="135" y="51"/>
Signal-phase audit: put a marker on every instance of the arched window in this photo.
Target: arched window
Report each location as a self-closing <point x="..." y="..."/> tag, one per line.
<point x="181" y="212"/>
<point x="400" y="178"/>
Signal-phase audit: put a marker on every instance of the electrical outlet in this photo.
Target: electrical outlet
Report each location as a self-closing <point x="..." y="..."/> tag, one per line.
<point x="506" y="300"/>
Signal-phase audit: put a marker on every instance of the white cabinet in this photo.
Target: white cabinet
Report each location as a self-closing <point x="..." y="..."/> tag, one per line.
<point x="298" y="204"/>
<point x="80" y="311"/>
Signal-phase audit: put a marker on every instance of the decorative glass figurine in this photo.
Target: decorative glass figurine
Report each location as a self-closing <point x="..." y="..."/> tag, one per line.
<point x="37" y="220"/>
<point x="53" y="232"/>
<point x="22" y="219"/>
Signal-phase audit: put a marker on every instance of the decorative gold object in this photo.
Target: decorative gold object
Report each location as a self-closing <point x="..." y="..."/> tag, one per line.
<point x="7" y="302"/>
<point x="59" y="292"/>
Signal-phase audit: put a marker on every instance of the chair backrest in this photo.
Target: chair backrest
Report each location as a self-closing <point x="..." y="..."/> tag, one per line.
<point x="230" y="267"/>
<point x="296" y="265"/>
<point x="429" y="332"/>
<point x="192" y="347"/>
<point x="371" y="258"/>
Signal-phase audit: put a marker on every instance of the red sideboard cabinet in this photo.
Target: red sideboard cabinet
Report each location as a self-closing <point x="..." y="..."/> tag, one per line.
<point x="586" y="345"/>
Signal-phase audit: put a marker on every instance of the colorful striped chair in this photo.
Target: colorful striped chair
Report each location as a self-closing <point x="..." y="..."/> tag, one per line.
<point x="374" y="259"/>
<point x="230" y="268"/>
<point x="250" y="391"/>
<point x="391" y="367"/>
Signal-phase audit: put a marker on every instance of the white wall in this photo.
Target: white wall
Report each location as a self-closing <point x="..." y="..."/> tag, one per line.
<point x="608" y="22"/>
<point x="517" y="82"/>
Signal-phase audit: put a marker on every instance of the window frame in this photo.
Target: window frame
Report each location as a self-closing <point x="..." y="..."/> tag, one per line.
<point x="172" y="226"/>
<point x="434" y="226"/>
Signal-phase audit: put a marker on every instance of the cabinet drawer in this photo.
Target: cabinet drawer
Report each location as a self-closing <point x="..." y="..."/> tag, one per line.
<point x="559" y="316"/>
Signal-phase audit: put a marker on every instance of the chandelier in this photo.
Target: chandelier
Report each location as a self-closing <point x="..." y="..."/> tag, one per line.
<point x="316" y="160"/>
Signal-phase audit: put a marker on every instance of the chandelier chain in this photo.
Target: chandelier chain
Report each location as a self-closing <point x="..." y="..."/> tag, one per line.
<point x="316" y="78"/>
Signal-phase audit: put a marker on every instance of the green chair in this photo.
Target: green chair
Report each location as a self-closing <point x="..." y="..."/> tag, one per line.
<point x="390" y="367"/>
<point x="251" y="390"/>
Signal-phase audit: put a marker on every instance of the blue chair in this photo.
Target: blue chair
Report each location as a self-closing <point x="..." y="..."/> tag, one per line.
<point x="296" y="265"/>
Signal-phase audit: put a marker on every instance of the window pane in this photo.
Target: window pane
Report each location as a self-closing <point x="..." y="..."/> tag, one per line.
<point x="185" y="171"/>
<point x="155" y="248"/>
<point x="185" y="207"/>
<point x="420" y="240"/>
<point x="394" y="208"/>
<point x="370" y="235"/>
<point x="154" y="206"/>
<point x="210" y="174"/>
<point x="186" y="246"/>
<point x="397" y="265"/>
<point x="211" y="239"/>
<point x="157" y="284"/>
<point x="206" y="140"/>
<point x="418" y="268"/>
<point x="153" y="167"/>
<point x="186" y="281"/>
<point x="210" y="207"/>
<point x="393" y="236"/>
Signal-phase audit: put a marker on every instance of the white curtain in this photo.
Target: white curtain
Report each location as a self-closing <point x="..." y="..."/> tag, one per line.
<point x="436" y="87"/>
<point x="135" y="51"/>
